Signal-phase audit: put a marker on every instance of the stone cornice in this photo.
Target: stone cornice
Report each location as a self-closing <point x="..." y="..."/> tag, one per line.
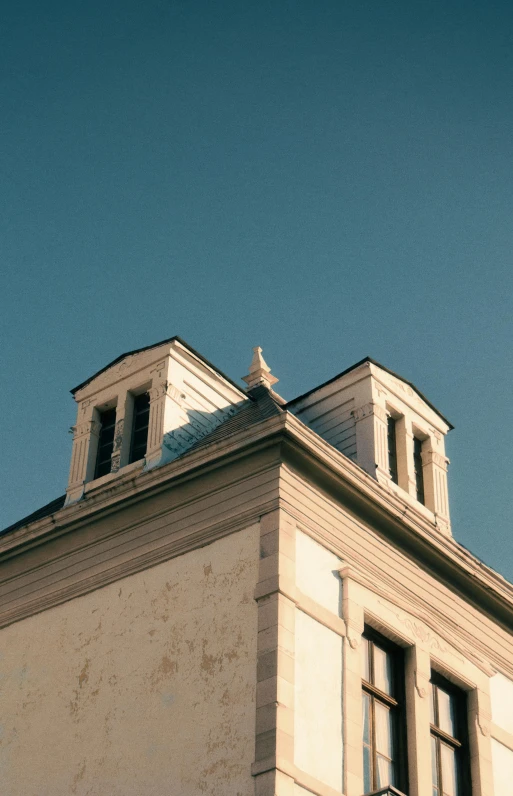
<point x="316" y="459"/>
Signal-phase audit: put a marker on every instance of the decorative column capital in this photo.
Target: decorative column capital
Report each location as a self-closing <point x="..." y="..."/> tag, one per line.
<point x="432" y="457"/>
<point x="86" y="428"/>
<point x="369" y="409"/>
<point x="165" y="389"/>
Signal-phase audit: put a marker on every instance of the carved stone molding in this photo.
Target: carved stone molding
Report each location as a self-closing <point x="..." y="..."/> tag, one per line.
<point x="421" y="632"/>
<point x="86" y="428"/>
<point x="483" y="725"/>
<point x="369" y="409"/>
<point x="169" y="390"/>
<point x="86" y="404"/>
<point x="432" y="457"/>
<point x="420" y="685"/>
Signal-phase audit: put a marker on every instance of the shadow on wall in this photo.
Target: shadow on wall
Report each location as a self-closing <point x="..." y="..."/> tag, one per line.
<point x="195" y="426"/>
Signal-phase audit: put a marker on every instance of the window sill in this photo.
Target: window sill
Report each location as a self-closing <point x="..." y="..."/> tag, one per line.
<point x="106" y="479"/>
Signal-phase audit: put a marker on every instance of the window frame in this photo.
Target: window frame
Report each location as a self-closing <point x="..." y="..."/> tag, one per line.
<point x="459" y="744"/>
<point x="396" y="703"/>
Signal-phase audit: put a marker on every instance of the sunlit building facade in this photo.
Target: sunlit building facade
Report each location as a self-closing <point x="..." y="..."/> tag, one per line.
<point x="240" y="595"/>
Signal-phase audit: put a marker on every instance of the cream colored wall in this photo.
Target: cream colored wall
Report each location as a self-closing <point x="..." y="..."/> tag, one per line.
<point x="318" y="742"/>
<point x="502" y="762"/>
<point x="501" y="698"/>
<point x="317" y="573"/>
<point x="501" y="695"/>
<point x="144" y="686"/>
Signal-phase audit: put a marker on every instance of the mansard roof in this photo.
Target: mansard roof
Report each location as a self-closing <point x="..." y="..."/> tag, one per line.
<point x="379" y="365"/>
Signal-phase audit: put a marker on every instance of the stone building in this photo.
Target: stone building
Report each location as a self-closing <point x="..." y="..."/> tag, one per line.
<point x="239" y="595"/>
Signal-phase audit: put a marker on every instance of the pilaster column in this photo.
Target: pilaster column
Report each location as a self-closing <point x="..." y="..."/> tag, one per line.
<point x="166" y="414"/>
<point x="85" y="445"/>
<point x="418" y="719"/>
<point x="119" y="451"/>
<point x="274" y="743"/>
<point x="353" y="614"/>
<point x="404" y="440"/>
<point x="371" y="440"/>
<point x="479" y="718"/>
<point x="434" y="468"/>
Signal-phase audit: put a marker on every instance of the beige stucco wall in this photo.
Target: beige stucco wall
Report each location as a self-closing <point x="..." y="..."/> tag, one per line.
<point x="146" y="686"/>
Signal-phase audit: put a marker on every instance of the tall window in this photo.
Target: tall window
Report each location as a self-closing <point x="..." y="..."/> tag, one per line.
<point x="105" y="442"/>
<point x="449" y="744"/>
<point x="139" y="439"/>
<point x="417" y="468"/>
<point x="384" y="754"/>
<point x="392" y="449"/>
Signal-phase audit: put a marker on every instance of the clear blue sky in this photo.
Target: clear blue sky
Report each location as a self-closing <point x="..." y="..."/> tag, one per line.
<point x="328" y="179"/>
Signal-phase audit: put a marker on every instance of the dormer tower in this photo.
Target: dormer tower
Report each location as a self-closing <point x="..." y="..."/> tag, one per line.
<point x="144" y="409"/>
<point x="387" y="426"/>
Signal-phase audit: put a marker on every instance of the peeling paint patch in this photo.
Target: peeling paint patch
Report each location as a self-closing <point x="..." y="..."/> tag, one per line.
<point x="78" y="776"/>
<point x="84" y="675"/>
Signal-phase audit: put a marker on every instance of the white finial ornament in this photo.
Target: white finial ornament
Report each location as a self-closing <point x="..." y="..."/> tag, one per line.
<point x="259" y="372"/>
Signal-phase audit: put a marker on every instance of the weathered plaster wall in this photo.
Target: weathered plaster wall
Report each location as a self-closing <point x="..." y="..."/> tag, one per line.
<point x="318" y="746"/>
<point x="146" y="686"/>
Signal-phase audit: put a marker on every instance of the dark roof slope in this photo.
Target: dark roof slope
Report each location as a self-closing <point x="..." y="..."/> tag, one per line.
<point x="39" y="514"/>
<point x="379" y="365"/>
<point x="261" y="404"/>
<point x="174" y="339"/>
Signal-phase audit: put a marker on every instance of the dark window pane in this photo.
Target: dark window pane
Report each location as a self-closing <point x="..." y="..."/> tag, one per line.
<point x="383" y="721"/>
<point x="382" y="670"/>
<point x="367" y="770"/>
<point x="365" y="660"/>
<point x="366" y="719"/>
<point x="446" y="712"/>
<point x="139" y="439"/>
<point x="434" y="763"/>
<point x="383" y="730"/>
<point x="105" y="443"/>
<point x="448" y="761"/>
<point x="392" y="450"/>
<point x="449" y="740"/>
<point x="385" y="772"/>
<point x="417" y="466"/>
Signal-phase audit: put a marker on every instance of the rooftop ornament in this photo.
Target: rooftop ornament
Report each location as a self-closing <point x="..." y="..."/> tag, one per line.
<point x="259" y="372"/>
